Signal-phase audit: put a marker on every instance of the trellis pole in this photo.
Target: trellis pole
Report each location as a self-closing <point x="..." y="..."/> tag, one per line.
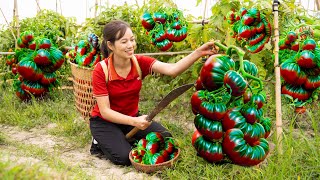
<point x="317" y="4"/>
<point x="38" y="6"/>
<point x="95" y="8"/>
<point x="16" y="20"/>
<point x="205" y="10"/>
<point x="275" y="5"/>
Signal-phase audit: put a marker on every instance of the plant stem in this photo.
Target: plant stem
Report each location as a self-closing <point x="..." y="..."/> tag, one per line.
<point x="241" y="53"/>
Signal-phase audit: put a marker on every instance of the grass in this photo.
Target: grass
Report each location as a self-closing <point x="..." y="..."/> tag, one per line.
<point x="50" y="166"/>
<point x="301" y="140"/>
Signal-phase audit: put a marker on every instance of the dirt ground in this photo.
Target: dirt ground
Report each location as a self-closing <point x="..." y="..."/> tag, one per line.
<point x="99" y="168"/>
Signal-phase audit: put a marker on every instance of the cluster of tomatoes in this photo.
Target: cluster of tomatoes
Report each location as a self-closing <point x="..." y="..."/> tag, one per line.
<point x="300" y="67"/>
<point x="86" y="52"/>
<point x="229" y="118"/>
<point x="154" y="149"/>
<point x="37" y="60"/>
<point x="250" y="26"/>
<point x="164" y="28"/>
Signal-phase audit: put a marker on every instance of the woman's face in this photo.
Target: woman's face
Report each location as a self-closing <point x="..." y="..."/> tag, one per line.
<point x="124" y="47"/>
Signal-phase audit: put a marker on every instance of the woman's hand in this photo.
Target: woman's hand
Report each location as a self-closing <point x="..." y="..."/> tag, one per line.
<point x="141" y="123"/>
<point x="207" y="49"/>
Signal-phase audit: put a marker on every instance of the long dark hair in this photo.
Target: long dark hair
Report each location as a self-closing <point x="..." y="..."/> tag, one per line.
<point x="112" y="31"/>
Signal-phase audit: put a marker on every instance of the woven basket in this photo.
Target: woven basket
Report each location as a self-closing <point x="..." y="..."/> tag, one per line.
<point x="82" y="89"/>
<point x="153" y="168"/>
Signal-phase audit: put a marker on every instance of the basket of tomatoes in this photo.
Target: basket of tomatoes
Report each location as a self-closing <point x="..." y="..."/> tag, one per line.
<point x="154" y="153"/>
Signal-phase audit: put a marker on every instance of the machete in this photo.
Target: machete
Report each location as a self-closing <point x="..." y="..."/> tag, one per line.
<point x="162" y="104"/>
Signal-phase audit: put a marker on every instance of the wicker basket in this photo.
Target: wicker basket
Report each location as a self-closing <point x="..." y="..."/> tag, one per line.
<point x="82" y="89"/>
<point x="153" y="168"/>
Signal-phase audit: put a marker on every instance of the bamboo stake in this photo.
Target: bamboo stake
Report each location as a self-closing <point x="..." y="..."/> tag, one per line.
<point x="205" y="9"/>
<point x="38" y="6"/>
<point x="137" y="3"/>
<point x="6" y="53"/>
<point x="318" y="4"/>
<point x="277" y="76"/>
<point x="16" y="20"/>
<point x="95" y="8"/>
<point x="60" y="7"/>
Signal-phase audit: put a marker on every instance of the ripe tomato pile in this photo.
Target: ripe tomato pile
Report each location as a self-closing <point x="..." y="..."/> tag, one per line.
<point x="165" y="27"/>
<point x="154" y="149"/>
<point x="300" y="67"/>
<point x="250" y="26"/>
<point x="228" y="112"/>
<point x="86" y="52"/>
<point x="37" y="60"/>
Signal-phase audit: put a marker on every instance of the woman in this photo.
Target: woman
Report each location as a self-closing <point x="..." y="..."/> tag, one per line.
<point x="116" y="111"/>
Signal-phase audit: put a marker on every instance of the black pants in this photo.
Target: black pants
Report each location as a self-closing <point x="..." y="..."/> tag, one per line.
<point x="112" y="141"/>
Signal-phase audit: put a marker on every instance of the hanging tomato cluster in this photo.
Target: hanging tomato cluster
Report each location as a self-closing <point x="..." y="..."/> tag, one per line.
<point x="86" y="52"/>
<point x="228" y="111"/>
<point x="250" y="26"/>
<point x="300" y="67"/>
<point x="165" y="27"/>
<point x="154" y="149"/>
<point x="37" y="61"/>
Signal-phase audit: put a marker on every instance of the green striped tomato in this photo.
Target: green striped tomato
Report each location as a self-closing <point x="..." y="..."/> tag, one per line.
<point x="312" y="82"/>
<point x="213" y="111"/>
<point x="240" y="152"/>
<point x="210" y="151"/>
<point x="296" y="92"/>
<point x="208" y="128"/>
<point x="235" y="83"/>
<point x="213" y="71"/>
<point x="292" y="73"/>
<point x="307" y="59"/>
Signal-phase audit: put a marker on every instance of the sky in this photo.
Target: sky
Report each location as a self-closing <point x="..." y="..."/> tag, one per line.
<point x="83" y="8"/>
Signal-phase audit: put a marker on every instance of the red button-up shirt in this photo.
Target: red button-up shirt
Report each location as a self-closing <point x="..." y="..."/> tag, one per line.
<point x="123" y="92"/>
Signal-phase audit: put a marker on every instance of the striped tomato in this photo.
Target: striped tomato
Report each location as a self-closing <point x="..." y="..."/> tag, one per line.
<point x="210" y="129"/>
<point x="213" y="71"/>
<point x="210" y="151"/>
<point x="235" y="83"/>
<point x="213" y="111"/>
<point x="242" y="153"/>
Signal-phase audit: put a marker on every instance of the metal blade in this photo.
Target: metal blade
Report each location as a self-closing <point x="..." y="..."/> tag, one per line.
<point x="169" y="98"/>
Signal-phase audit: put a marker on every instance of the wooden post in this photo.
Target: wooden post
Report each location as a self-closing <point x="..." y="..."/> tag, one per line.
<point x="277" y="76"/>
<point x="86" y="8"/>
<point x="205" y="9"/>
<point x="16" y="20"/>
<point x="60" y="7"/>
<point x="95" y="8"/>
<point x="38" y="6"/>
<point x="317" y="4"/>
<point x="137" y="3"/>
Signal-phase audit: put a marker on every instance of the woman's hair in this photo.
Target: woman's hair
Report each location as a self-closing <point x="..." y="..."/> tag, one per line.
<point x="112" y="31"/>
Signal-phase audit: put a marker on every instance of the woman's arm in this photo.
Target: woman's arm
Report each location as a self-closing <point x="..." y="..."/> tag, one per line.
<point x="174" y="69"/>
<point x="116" y="117"/>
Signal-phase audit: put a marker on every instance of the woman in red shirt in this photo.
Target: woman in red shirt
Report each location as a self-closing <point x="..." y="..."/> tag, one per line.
<point x="116" y="111"/>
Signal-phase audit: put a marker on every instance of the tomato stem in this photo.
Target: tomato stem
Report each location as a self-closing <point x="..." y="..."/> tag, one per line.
<point x="241" y="53"/>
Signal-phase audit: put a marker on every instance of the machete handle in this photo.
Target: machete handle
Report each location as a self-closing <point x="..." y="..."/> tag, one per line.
<point x="132" y="132"/>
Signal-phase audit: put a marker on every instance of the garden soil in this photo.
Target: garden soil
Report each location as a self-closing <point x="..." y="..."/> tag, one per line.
<point x="79" y="157"/>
